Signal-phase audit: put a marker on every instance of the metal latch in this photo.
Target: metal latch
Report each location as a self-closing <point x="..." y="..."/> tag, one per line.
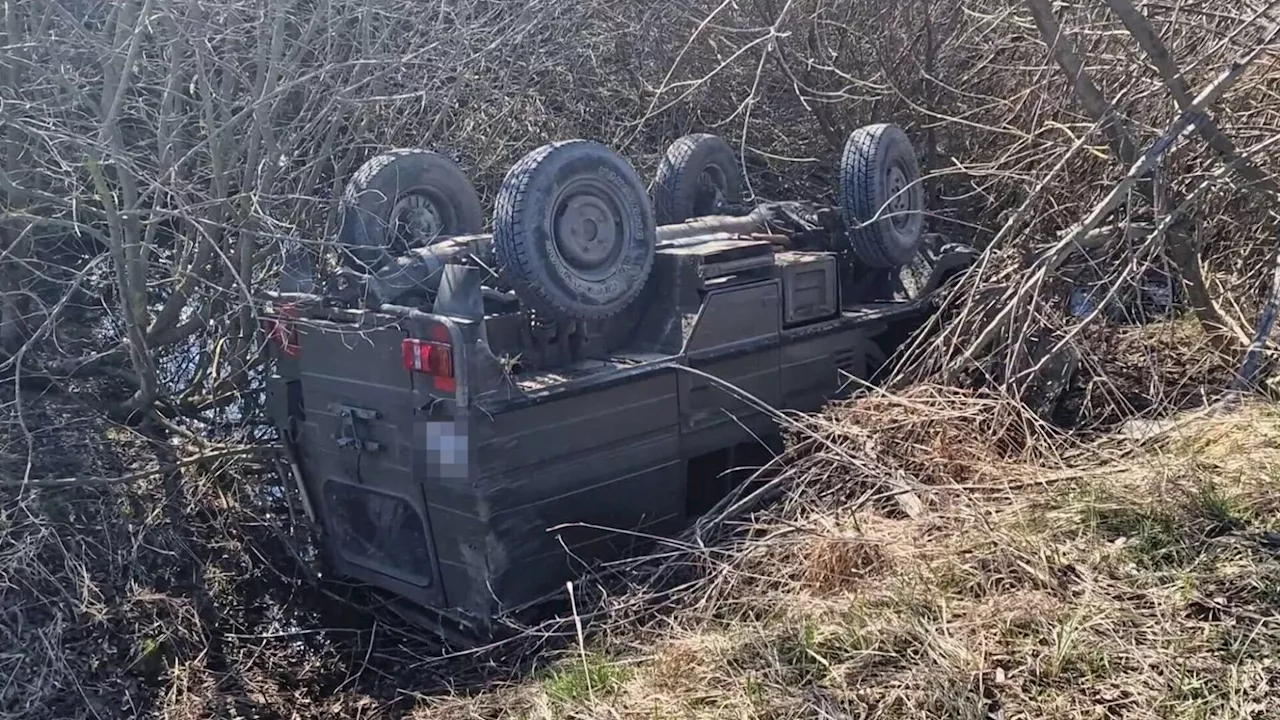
<point x="353" y="429"/>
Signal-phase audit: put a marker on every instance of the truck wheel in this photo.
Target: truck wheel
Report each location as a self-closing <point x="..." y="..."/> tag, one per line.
<point x="573" y="231"/>
<point x="697" y="175"/>
<point x="880" y="186"/>
<point x="400" y="197"/>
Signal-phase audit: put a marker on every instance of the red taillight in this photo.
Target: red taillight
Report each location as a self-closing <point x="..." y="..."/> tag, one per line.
<point x="430" y="358"/>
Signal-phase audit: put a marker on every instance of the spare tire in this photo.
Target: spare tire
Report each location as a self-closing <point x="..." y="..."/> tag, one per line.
<point x="401" y="197"/>
<point x="573" y="231"/>
<point x="696" y="177"/>
<point x="881" y="196"/>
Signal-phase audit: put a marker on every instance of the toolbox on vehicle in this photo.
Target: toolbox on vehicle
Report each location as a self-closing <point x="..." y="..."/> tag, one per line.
<point x="809" y="283"/>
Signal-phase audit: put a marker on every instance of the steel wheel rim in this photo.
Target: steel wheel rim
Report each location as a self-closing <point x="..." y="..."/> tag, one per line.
<point x="587" y="229"/>
<point x="712" y="186"/>
<point x="899" y="197"/>
<point x="418" y="216"/>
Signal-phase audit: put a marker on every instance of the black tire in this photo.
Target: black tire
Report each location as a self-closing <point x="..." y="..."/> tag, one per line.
<point x="694" y="169"/>
<point x="547" y="226"/>
<point x="384" y="204"/>
<point x="879" y="161"/>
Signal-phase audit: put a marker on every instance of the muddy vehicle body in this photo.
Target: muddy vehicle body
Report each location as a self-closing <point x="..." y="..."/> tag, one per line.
<point x="471" y="418"/>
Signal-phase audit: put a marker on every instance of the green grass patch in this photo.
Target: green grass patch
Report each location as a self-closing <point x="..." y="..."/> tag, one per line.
<point x="1163" y="533"/>
<point x="577" y="680"/>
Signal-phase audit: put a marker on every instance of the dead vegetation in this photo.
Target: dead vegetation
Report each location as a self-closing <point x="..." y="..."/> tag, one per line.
<point x="931" y="553"/>
<point x="1121" y="580"/>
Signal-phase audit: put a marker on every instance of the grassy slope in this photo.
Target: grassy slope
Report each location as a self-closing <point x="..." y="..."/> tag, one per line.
<point x="1126" y="580"/>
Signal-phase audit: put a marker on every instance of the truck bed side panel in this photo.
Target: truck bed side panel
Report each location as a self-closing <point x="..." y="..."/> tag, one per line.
<point x="600" y="462"/>
<point x="714" y="416"/>
<point x="736" y="341"/>
<point x="814" y="366"/>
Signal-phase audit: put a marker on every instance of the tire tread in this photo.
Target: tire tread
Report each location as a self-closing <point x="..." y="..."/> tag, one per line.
<point x="860" y="166"/>
<point x="353" y="232"/>
<point x="511" y="239"/>
<point x="672" y="202"/>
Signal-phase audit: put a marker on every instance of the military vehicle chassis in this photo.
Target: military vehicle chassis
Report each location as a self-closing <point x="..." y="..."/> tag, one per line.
<point x="469" y="440"/>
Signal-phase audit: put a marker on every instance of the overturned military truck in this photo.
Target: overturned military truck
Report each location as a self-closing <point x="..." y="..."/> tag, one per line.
<point x="471" y="417"/>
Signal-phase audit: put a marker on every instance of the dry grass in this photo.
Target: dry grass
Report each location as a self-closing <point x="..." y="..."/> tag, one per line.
<point x="1124" y="581"/>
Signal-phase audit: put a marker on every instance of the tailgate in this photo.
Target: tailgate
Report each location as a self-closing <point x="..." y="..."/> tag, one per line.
<point x="357" y="446"/>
